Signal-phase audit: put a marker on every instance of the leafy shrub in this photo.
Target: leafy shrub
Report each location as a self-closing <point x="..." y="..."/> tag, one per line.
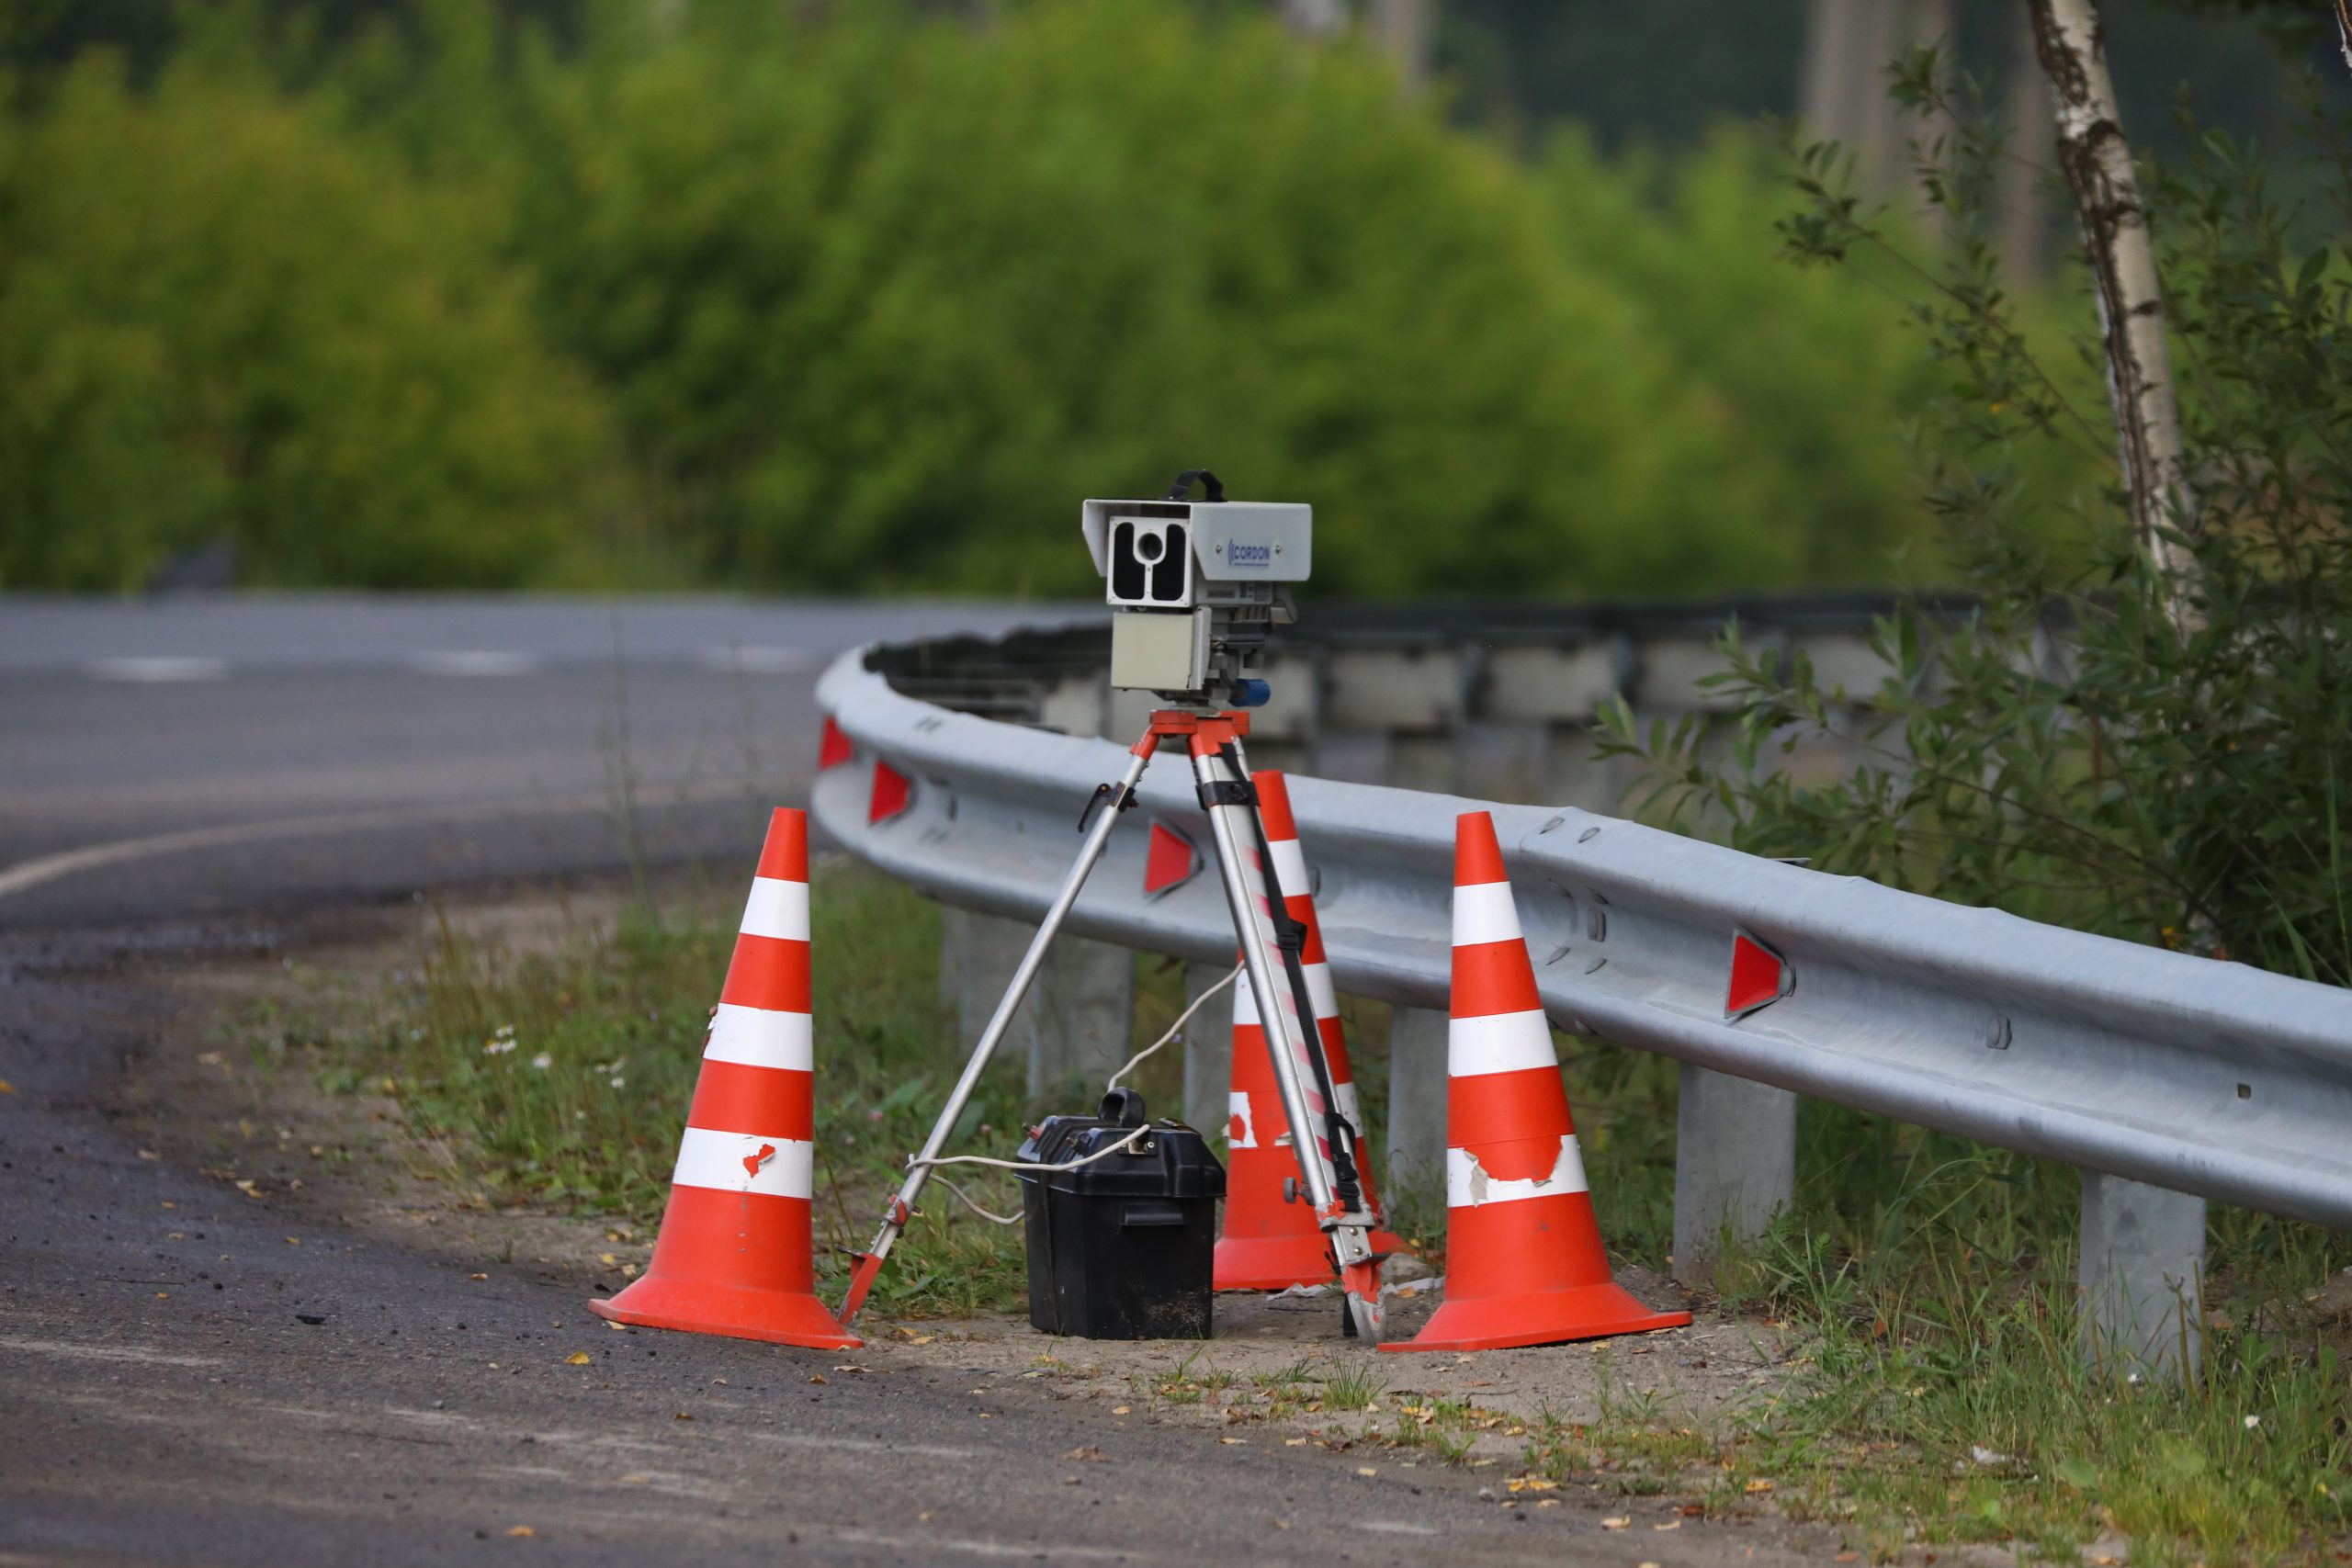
<point x="2108" y="744"/>
<point x="1810" y="378"/>
<point x="878" y="296"/>
<point x="218" y="319"/>
<point x="862" y="298"/>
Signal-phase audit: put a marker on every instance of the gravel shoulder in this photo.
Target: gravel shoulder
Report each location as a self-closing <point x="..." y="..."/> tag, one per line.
<point x="292" y="1328"/>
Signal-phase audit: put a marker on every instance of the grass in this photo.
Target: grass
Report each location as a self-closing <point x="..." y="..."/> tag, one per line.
<point x="1352" y="1387"/>
<point x="561" y="1078"/>
<point x="1925" y="1283"/>
<point x="1938" y="1393"/>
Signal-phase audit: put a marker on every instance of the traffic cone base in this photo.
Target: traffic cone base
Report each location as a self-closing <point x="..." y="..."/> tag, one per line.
<point x="1568" y="1291"/>
<point x="1272" y="1262"/>
<point x="765" y="1301"/>
<point x="733" y="1312"/>
<point x="1545" y="1317"/>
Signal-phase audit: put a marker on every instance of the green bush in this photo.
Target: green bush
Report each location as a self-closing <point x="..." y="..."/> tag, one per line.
<point x="1809" y="377"/>
<point x="885" y="297"/>
<point x="2104" y="742"/>
<point x="867" y="303"/>
<point x="219" y="320"/>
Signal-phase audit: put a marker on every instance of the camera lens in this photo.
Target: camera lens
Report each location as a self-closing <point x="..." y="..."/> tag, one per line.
<point x="1148" y="547"/>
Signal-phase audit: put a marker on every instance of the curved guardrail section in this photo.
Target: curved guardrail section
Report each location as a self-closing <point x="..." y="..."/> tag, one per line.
<point x="2202" y="1076"/>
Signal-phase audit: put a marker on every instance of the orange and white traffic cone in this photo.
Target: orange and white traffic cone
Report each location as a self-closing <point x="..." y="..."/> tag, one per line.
<point x="735" y="1254"/>
<point x="1270" y="1244"/>
<point x="1524" y="1262"/>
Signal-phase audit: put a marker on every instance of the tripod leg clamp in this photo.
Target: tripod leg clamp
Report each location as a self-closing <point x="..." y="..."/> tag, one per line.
<point x="1102" y="791"/>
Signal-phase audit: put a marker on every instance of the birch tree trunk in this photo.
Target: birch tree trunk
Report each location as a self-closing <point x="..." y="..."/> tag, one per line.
<point x="2097" y="161"/>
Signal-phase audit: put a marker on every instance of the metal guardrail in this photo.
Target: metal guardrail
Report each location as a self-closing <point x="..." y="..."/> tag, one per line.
<point x="2202" y="1077"/>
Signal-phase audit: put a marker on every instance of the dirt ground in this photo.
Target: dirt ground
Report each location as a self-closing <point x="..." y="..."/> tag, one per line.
<point x="1264" y="1378"/>
<point x="1277" y="1371"/>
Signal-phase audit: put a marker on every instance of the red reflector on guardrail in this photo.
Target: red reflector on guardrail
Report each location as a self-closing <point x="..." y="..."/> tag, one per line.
<point x="1759" y="978"/>
<point x="1170" y="861"/>
<point x="891" y="793"/>
<point x="835" y="749"/>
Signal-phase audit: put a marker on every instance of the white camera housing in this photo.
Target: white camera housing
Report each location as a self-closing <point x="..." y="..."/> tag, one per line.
<point x="1197" y="584"/>
<point x="1174" y="555"/>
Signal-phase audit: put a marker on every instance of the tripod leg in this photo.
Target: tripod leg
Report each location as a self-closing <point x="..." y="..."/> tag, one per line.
<point x="901" y="1208"/>
<point x="1225" y="796"/>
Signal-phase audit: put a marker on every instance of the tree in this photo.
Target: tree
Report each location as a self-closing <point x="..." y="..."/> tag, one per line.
<point x="2141" y="734"/>
<point x="2097" y="160"/>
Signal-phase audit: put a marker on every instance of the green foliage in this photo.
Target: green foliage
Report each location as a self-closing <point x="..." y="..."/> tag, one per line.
<point x="867" y="299"/>
<point x="1938" y="1396"/>
<point x="218" y="321"/>
<point x="2096" y="742"/>
<point x="1806" y="379"/>
<point x="865" y="344"/>
<point x="2102" y="743"/>
<point x="1923" y="1288"/>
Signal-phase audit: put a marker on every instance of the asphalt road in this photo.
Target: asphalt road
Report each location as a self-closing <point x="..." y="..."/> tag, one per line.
<point x="181" y="1383"/>
<point x="214" y="755"/>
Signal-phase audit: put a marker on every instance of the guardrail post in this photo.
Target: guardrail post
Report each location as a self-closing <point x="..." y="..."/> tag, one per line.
<point x="1734" y="1165"/>
<point x="1075" y="1022"/>
<point x="1414" y="1184"/>
<point x="2142" y="1275"/>
<point x="1208" y="1051"/>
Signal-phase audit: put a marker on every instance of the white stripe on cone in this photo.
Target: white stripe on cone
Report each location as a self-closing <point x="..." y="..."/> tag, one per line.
<point x="1245" y="1001"/>
<point x="1237" y="1110"/>
<point x="1319" y="991"/>
<point x="1467" y="1185"/>
<point x="777" y="908"/>
<point x="744" y="1162"/>
<point x="1289" y="867"/>
<point x="1345" y="1093"/>
<point x="1484" y="912"/>
<point x="754" y="1037"/>
<point x="1499" y="1043"/>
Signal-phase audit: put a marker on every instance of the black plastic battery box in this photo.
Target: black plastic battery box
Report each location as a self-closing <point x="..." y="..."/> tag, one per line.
<point x="1123" y="1248"/>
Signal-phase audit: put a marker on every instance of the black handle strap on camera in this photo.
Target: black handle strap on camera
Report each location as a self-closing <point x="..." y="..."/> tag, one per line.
<point x="1215" y="491"/>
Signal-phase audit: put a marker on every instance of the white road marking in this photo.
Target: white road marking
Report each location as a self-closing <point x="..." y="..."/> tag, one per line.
<point x="137" y="1354"/>
<point x="472" y="663"/>
<point x="757" y="660"/>
<point x="33" y="873"/>
<point x="156" y="670"/>
<point x="1395" y="1526"/>
<point x="622" y="1441"/>
<point x="921" y="1546"/>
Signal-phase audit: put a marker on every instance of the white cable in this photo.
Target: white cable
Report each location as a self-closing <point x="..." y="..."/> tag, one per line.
<point x="1182" y="1019"/>
<point x="993" y="1218"/>
<point x="1016" y="1164"/>
<point x="1173" y="1030"/>
<point x="1032" y="1165"/>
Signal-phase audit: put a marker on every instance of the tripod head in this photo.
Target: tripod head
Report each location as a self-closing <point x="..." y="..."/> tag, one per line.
<point x="1196" y="588"/>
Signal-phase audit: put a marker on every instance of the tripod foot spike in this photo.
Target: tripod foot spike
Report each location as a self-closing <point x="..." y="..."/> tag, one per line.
<point x="861" y="1280"/>
<point x="1362" y="1283"/>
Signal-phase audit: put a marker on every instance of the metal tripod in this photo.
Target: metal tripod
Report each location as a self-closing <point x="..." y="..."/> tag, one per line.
<point x="1322" y="1138"/>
